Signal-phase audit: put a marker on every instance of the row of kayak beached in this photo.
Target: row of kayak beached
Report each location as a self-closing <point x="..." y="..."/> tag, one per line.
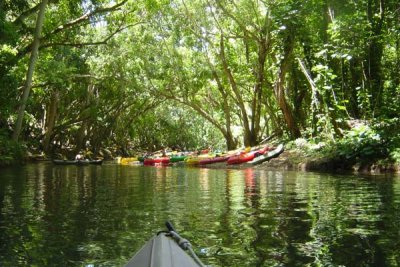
<point x="248" y="156"/>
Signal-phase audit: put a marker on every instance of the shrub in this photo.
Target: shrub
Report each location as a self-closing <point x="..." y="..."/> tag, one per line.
<point x="361" y="143"/>
<point x="10" y="151"/>
<point x="389" y="129"/>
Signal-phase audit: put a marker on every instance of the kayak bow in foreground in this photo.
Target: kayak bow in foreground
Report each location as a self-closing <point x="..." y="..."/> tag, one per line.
<point x="166" y="249"/>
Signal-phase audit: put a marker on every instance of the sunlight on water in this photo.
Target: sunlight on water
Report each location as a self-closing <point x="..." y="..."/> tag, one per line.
<point x="100" y="215"/>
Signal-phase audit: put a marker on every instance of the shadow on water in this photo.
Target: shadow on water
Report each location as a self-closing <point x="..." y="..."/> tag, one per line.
<point x="100" y="215"/>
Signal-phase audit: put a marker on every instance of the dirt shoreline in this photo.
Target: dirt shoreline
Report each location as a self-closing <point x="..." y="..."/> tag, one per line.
<point x="297" y="161"/>
<point x="292" y="160"/>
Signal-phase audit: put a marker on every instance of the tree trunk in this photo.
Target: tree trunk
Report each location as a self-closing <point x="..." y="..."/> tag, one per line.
<point x="397" y="77"/>
<point x="50" y="120"/>
<point x="31" y="68"/>
<point x="257" y="94"/>
<point x="80" y="137"/>
<point x="279" y="87"/>
<point x="236" y="92"/>
<point x="231" y="143"/>
<point x="299" y="95"/>
<point x="355" y="82"/>
<point x="374" y="55"/>
<point x="286" y="110"/>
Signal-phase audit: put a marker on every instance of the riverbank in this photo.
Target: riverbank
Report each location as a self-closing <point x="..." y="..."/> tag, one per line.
<point x="297" y="160"/>
<point x="289" y="160"/>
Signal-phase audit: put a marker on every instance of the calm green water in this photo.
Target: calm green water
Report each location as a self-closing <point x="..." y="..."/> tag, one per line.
<point x="100" y="215"/>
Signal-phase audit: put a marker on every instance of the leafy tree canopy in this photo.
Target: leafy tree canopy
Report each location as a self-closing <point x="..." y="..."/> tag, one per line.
<point x="148" y="74"/>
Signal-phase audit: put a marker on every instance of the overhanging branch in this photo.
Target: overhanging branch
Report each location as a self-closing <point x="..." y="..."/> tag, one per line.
<point x="85" y="18"/>
<point x="102" y="42"/>
<point x="71" y="24"/>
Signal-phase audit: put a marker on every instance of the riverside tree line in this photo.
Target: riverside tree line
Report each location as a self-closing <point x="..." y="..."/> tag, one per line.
<point x="154" y="73"/>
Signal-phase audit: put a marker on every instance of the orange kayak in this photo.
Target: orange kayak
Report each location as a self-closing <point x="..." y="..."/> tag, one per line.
<point x="242" y="158"/>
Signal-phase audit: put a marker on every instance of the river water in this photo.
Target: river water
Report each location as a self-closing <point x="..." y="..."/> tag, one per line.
<point x="100" y="215"/>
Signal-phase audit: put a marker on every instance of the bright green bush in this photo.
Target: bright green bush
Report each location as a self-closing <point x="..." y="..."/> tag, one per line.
<point x="389" y="129"/>
<point x="395" y="155"/>
<point x="361" y="143"/>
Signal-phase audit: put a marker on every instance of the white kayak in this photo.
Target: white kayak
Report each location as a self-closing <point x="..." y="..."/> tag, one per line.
<point x="163" y="251"/>
<point x="267" y="156"/>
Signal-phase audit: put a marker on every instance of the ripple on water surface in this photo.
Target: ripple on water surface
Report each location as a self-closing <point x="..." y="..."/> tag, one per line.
<point x="100" y="215"/>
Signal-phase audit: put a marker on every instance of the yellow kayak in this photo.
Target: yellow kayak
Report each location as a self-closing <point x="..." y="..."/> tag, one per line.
<point x="126" y="161"/>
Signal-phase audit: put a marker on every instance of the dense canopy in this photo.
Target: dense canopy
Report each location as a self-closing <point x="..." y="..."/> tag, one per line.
<point x="147" y="74"/>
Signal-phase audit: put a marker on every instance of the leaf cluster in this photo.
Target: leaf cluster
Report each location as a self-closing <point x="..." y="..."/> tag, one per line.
<point x="360" y="144"/>
<point x="10" y="151"/>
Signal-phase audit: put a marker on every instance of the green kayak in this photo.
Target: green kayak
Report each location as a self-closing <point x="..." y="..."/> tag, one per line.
<point x="177" y="158"/>
<point x="163" y="251"/>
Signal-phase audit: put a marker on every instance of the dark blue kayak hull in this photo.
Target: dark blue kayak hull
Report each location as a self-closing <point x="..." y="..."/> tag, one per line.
<point x="77" y="162"/>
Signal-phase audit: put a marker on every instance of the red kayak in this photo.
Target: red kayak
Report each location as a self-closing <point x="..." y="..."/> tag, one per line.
<point x="213" y="160"/>
<point x="262" y="151"/>
<point x="242" y="158"/>
<point x="156" y="161"/>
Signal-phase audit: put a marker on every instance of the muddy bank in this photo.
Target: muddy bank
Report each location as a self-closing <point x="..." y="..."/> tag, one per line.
<point x="294" y="160"/>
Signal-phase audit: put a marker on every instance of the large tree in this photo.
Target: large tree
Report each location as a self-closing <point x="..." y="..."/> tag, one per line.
<point x="31" y="68"/>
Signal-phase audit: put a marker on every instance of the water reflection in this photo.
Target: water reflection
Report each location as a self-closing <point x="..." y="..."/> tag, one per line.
<point x="99" y="215"/>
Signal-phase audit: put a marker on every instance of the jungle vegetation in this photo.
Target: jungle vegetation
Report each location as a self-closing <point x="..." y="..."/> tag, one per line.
<point x="132" y="75"/>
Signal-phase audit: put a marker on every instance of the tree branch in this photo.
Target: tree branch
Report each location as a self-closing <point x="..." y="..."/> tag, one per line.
<point x="240" y="24"/>
<point x="103" y="42"/>
<point x="71" y="24"/>
<point x="20" y="20"/>
<point x="85" y="17"/>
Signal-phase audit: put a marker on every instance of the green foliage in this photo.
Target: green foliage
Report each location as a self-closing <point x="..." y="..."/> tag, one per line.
<point x="395" y="155"/>
<point x="206" y="70"/>
<point x="175" y="127"/>
<point x="389" y="129"/>
<point x="10" y="151"/>
<point x="362" y="143"/>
